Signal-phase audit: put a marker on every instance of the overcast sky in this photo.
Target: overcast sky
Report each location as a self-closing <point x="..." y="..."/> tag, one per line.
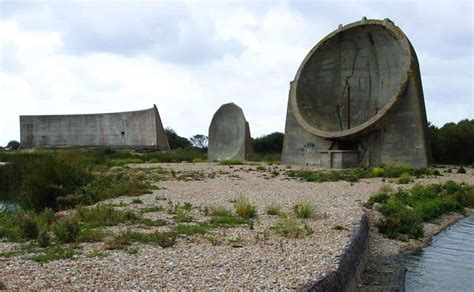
<point x="188" y="58"/>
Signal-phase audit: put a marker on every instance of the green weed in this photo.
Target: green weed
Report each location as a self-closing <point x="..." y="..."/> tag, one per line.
<point x="291" y="228"/>
<point x="244" y="208"/>
<point x="274" y="209"/>
<point x="304" y="210"/>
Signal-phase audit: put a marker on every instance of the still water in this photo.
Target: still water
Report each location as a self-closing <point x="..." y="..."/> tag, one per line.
<point x="447" y="264"/>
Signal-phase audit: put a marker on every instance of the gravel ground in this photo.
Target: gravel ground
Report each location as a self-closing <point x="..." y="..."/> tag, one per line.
<point x="272" y="262"/>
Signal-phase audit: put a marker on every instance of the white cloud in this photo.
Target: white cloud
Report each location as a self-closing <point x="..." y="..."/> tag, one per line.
<point x="189" y="58"/>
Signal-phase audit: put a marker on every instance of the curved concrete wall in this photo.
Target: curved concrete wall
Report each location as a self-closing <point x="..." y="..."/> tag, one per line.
<point x="229" y="135"/>
<point x="384" y="107"/>
<point x="351" y="264"/>
<point x="125" y="129"/>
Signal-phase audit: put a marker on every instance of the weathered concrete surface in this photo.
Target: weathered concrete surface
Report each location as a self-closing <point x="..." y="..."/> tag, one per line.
<point x="351" y="264"/>
<point x="383" y="273"/>
<point x="229" y="135"/>
<point x="125" y="129"/>
<point x="358" y="89"/>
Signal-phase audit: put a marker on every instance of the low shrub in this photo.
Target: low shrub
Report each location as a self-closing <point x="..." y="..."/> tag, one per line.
<point x="28" y="226"/>
<point x="274" y="209"/>
<point x="44" y="239"/>
<point x="67" y="230"/>
<point x="405" y="178"/>
<point x="104" y="216"/>
<point x="190" y="229"/>
<point x="163" y="239"/>
<point x="291" y="228"/>
<point x="63" y="179"/>
<point x="231" y="162"/>
<point x="304" y="210"/>
<point x="405" y="211"/>
<point x="244" y="208"/>
<point x="461" y="170"/>
<point x="53" y="253"/>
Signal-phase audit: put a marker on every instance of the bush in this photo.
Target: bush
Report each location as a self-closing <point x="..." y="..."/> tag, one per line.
<point x="104" y="216"/>
<point x="274" y="209"/>
<point x="53" y="253"/>
<point x="405" y="211"/>
<point x="67" y="230"/>
<point x="28" y="226"/>
<point x="44" y="239"/>
<point x="405" y="178"/>
<point x="163" y="239"/>
<point x="244" y="208"/>
<point x="461" y="170"/>
<point x="15" y="145"/>
<point x="304" y="210"/>
<point x="291" y="228"/>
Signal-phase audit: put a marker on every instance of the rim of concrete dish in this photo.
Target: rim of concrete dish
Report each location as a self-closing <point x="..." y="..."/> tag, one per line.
<point x="405" y="45"/>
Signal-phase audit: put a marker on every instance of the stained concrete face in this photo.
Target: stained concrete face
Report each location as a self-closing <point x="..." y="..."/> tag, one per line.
<point x="229" y="135"/>
<point x="125" y="129"/>
<point x="357" y="100"/>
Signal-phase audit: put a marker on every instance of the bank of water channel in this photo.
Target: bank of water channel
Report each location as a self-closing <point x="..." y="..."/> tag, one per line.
<point x="447" y="264"/>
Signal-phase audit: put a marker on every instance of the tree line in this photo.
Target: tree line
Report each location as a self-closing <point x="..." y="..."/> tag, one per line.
<point x="453" y="143"/>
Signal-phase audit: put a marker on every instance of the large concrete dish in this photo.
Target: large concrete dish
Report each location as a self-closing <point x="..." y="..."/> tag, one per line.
<point x="374" y="56"/>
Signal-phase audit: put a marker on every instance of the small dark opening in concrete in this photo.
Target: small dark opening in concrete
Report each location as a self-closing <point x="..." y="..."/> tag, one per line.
<point x="123" y="133"/>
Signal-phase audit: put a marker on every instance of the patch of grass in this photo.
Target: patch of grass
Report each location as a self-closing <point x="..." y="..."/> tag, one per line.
<point x="123" y="161"/>
<point x="53" y="253"/>
<point x="97" y="254"/>
<point x="291" y="228"/>
<point x="304" y="210"/>
<point x="381" y="197"/>
<point x="260" y="168"/>
<point x="88" y="234"/>
<point x="136" y="201"/>
<point x="405" y="178"/>
<point x="213" y="240"/>
<point x="199" y="160"/>
<point x="231" y="162"/>
<point x="244" y="208"/>
<point x="353" y="175"/>
<point x="227" y="221"/>
<point x="2" y="286"/>
<point x="182" y="215"/>
<point x="190" y="229"/>
<point x="152" y="209"/>
<point x="62" y="179"/>
<point x="23" y="226"/>
<point x="28" y="226"/>
<point x="274" y="209"/>
<point x="150" y="222"/>
<point x="104" y="216"/>
<point x="236" y="241"/>
<point x="340" y="228"/>
<point x="67" y="230"/>
<point x="163" y="239"/>
<point x="405" y="211"/>
<point x="219" y="211"/>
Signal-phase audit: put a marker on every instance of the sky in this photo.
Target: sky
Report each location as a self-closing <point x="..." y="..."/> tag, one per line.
<point x="188" y="58"/>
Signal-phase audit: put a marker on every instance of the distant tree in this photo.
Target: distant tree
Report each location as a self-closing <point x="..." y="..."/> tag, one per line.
<point x="175" y="140"/>
<point x="15" y="145"/>
<point x="271" y="143"/>
<point x="199" y="141"/>
<point x="453" y="143"/>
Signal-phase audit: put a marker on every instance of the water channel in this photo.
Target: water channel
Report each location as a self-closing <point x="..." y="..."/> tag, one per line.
<point x="447" y="264"/>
